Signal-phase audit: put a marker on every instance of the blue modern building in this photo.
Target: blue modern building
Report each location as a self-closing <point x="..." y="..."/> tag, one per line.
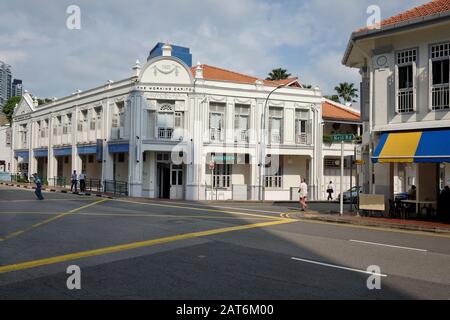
<point x="182" y="53"/>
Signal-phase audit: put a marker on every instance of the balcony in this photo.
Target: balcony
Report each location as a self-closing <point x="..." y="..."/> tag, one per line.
<point x="440" y="97"/>
<point x="302" y="138"/>
<point x="405" y="100"/>
<point x="216" y="134"/>
<point x="241" y="136"/>
<point x="275" y="138"/>
<point x="165" y="133"/>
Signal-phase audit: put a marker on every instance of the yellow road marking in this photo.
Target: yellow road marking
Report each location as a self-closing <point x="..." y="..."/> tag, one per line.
<point x="374" y="228"/>
<point x="59" y="216"/>
<point x="200" y="209"/>
<point x="80" y="198"/>
<point x="134" y="245"/>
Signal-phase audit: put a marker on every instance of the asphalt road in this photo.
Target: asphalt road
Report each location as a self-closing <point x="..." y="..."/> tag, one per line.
<point x="167" y="250"/>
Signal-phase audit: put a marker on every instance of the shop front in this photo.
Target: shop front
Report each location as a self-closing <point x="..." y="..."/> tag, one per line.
<point x="411" y="169"/>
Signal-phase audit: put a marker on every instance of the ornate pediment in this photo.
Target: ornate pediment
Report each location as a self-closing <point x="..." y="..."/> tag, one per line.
<point x="165" y="70"/>
<point x="24" y="107"/>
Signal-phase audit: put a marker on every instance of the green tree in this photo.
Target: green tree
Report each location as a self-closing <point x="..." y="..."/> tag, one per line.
<point x="347" y="92"/>
<point x="278" y="74"/>
<point x="43" y="101"/>
<point x="8" y="108"/>
<point x="334" y="98"/>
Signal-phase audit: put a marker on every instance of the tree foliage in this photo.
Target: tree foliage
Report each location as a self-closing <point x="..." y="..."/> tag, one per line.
<point x="10" y="105"/>
<point x="278" y="74"/>
<point x="347" y="91"/>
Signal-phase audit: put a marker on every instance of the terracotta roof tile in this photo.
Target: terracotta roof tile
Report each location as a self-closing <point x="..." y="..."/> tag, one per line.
<point x="335" y="111"/>
<point x="427" y="9"/>
<point x="215" y="73"/>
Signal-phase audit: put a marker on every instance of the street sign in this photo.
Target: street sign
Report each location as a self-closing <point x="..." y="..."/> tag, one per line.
<point x="342" y="137"/>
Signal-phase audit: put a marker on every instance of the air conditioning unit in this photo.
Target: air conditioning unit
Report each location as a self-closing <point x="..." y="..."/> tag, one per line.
<point x="114" y="133"/>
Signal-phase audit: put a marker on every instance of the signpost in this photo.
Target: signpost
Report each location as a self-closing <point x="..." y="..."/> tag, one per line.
<point x="212" y="166"/>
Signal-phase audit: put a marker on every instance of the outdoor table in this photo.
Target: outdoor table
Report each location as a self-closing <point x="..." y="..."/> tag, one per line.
<point x="419" y="205"/>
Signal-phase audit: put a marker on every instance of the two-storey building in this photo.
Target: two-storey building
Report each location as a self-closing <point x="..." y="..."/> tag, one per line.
<point x="180" y="132"/>
<point x="404" y="64"/>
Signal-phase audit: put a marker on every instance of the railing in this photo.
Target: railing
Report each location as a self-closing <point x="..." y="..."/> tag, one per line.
<point x="215" y="135"/>
<point x="301" y="138"/>
<point x="405" y="100"/>
<point x="58" y="181"/>
<point x="242" y="136"/>
<point x="221" y="181"/>
<point x="273" y="181"/>
<point x="275" y="137"/>
<point x="19" y="177"/>
<point x="440" y="97"/>
<point x="93" y="185"/>
<point x="165" y="133"/>
<point x="116" y="187"/>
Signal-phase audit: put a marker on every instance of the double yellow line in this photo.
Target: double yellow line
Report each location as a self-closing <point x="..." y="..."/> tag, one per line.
<point x="134" y="245"/>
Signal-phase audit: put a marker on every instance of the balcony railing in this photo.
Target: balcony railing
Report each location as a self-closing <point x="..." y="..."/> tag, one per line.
<point x="242" y="136"/>
<point x="301" y="138"/>
<point x="215" y="135"/>
<point x="221" y="181"/>
<point x="165" y="133"/>
<point x="440" y="97"/>
<point x="274" y="182"/>
<point x="275" y="137"/>
<point x="405" y="100"/>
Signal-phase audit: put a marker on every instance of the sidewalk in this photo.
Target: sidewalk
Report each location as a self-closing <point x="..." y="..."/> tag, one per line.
<point x="58" y="189"/>
<point x="380" y="222"/>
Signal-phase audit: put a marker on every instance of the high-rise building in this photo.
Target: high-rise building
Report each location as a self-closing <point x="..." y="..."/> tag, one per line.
<point x="17" y="88"/>
<point x="5" y="83"/>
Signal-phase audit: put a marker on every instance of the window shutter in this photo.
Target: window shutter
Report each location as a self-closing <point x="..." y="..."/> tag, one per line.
<point x="414" y="68"/>
<point x="309" y="135"/>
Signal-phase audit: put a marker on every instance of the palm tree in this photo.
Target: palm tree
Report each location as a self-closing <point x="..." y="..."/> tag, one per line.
<point x="278" y="74"/>
<point x="347" y="91"/>
<point x="333" y="97"/>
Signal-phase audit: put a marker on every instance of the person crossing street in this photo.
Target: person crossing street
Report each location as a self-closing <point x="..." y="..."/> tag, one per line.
<point x="38" y="191"/>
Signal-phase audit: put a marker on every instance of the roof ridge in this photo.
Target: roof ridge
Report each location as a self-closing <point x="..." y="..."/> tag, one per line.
<point x="231" y="71"/>
<point x="343" y="107"/>
<point x="433" y="7"/>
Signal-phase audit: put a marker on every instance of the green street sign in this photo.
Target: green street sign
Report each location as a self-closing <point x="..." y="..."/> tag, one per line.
<point x="342" y="137"/>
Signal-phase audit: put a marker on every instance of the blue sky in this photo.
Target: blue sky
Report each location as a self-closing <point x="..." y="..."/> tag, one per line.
<point x="250" y="36"/>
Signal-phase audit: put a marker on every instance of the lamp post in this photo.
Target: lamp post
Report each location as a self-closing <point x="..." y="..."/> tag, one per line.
<point x="262" y="161"/>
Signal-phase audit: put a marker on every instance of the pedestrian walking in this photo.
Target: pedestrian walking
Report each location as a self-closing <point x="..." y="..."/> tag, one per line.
<point x="303" y="193"/>
<point x="82" y="178"/>
<point x="330" y="191"/>
<point x="38" y="191"/>
<point x="74" y="181"/>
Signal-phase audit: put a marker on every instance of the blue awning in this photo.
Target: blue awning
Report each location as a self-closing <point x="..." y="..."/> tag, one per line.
<point x="40" y="153"/>
<point x="118" y="148"/>
<point x="22" y="154"/>
<point x="434" y="146"/>
<point x="91" y="149"/>
<point x="62" y="152"/>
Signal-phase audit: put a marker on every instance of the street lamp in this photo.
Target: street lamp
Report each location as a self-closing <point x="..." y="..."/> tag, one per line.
<point x="262" y="137"/>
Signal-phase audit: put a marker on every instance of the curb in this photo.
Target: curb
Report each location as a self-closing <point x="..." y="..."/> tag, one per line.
<point x="381" y="225"/>
<point x="99" y="195"/>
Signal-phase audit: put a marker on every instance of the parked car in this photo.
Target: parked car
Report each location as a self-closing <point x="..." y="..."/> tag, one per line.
<point x="401" y="196"/>
<point x="351" y="195"/>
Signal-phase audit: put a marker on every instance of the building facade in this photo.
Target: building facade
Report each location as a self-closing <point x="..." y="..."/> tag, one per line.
<point x="17" y="88"/>
<point x="5" y="83"/>
<point x="171" y="131"/>
<point x="404" y="66"/>
<point x="341" y="124"/>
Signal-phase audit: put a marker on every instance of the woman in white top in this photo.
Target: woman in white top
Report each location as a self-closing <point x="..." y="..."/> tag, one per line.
<point x="303" y="193"/>
<point x="330" y="190"/>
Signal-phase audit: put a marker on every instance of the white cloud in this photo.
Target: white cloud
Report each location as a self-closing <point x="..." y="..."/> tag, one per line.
<point x="249" y="36"/>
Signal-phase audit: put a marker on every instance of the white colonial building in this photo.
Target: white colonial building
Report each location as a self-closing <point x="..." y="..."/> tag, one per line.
<point x="404" y="64"/>
<point x="179" y="132"/>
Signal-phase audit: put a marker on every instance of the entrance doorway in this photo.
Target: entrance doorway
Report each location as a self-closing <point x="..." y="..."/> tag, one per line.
<point x="164" y="180"/>
<point x="176" y="188"/>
